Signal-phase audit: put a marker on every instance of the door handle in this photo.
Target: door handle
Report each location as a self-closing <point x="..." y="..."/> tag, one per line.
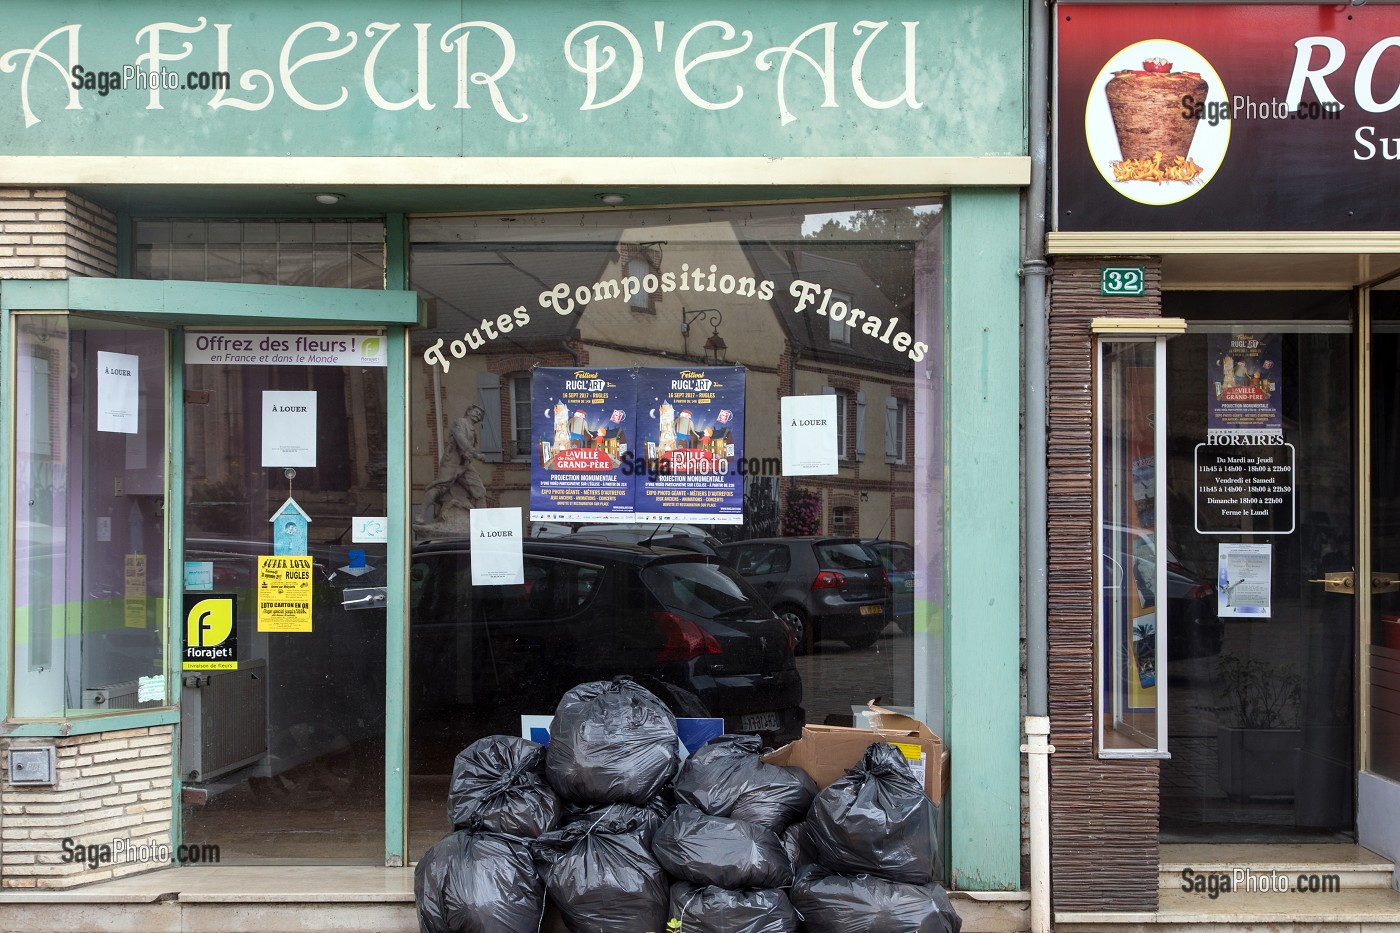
<point x="1339" y="581"/>
<point x="367" y="597"/>
<point x="1384" y="582"/>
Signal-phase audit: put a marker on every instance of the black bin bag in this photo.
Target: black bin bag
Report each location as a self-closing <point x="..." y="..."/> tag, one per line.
<point x="601" y="875"/>
<point x="478" y="883"/>
<point x="728" y="777"/>
<point x="611" y="742"/>
<point x="716" y="910"/>
<point x="644" y="821"/>
<point x="799" y="850"/>
<point x="875" y="819"/>
<point x="715" y="850"/>
<point x="830" y="903"/>
<point x="498" y="785"/>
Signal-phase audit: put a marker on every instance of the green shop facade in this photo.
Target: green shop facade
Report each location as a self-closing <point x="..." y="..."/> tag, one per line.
<point x="284" y="289"/>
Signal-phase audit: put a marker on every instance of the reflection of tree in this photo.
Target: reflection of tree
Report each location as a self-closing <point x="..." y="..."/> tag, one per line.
<point x="760" y="512"/>
<point x="880" y="242"/>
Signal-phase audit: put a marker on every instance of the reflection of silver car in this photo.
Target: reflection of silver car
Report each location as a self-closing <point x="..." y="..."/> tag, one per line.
<point x="898" y="559"/>
<point x="821" y="587"/>
<point x="1193" y="627"/>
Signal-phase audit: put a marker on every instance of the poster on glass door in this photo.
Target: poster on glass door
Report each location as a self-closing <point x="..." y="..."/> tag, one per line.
<point x="1243" y="395"/>
<point x="1244" y="578"/>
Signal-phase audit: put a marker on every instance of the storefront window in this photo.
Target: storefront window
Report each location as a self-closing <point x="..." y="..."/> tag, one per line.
<point x="1132" y="687"/>
<point x="89" y="500"/>
<point x="677" y="529"/>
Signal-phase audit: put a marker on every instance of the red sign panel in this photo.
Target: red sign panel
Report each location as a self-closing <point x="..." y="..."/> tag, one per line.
<point x="1242" y="117"/>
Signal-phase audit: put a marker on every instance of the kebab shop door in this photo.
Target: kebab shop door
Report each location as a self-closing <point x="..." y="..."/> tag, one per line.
<point x="285" y="539"/>
<point x="1261" y="555"/>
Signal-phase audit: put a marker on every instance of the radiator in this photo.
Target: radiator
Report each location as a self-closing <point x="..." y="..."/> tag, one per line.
<point x="223" y="720"/>
<point x="113" y="696"/>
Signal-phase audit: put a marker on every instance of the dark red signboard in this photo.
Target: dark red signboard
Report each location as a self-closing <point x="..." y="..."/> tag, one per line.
<point x="1240" y="117"/>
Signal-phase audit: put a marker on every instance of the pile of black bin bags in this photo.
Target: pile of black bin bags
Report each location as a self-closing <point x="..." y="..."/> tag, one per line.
<point x="602" y="827"/>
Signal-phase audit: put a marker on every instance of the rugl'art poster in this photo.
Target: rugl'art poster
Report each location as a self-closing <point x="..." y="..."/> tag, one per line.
<point x="1244" y="375"/>
<point x="691" y="432"/>
<point x="580" y="425"/>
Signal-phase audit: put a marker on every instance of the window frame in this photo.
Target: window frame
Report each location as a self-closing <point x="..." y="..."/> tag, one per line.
<point x="839" y="332"/>
<point x="520" y="419"/>
<point x="1111" y="638"/>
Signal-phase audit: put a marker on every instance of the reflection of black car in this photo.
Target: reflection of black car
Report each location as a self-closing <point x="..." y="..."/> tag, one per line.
<point x="822" y="587"/>
<point x="683" y="625"/>
<point x="1194" y="629"/>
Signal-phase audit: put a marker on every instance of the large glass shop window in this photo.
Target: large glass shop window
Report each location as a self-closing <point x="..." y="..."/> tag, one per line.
<point x="718" y="432"/>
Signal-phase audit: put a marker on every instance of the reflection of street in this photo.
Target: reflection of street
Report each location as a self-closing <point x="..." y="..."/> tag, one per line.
<point x="836" y="677"/>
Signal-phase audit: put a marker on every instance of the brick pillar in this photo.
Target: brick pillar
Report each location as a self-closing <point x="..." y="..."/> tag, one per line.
<point x="1103" y="812"/>
<point x="111" y="786"/>
<point x="50" y="233"/>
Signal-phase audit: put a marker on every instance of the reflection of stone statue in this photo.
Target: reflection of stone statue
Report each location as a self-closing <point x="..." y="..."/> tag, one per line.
<point x="458" y="488"/>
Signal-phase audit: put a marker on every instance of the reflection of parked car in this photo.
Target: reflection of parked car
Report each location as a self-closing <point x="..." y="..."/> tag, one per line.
<point x="822" y="587"/>
<point x="898" y="559"/>
<point x="683" y="625"/>
<point x="1194" y="629"/>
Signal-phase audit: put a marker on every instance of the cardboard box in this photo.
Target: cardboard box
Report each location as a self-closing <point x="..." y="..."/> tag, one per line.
<point x="825" y="752"/>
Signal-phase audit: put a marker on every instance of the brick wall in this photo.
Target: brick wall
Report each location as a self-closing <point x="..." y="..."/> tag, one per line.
<point x="49" y="233"/>
<point x="111" y="786"/>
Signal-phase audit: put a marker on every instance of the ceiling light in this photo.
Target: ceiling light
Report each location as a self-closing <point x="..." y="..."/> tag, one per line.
<point x="328" y="198"/>
<point x="611" y="200"/>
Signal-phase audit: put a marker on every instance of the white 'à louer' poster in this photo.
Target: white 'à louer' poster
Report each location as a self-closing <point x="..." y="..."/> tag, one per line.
<point x="809" y="435"/>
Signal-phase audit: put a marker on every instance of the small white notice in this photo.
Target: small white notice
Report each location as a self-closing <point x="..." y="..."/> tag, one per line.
<point x="1244" y="584"/>
<point x="809" y="435"/>
<point x="369" y="529"/>
<point x="118" y="392"/>
<point x="497" y="557"/>
<point x="289" y="429"/>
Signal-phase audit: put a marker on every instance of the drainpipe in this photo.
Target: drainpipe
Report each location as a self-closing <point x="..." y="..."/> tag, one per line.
<point x="1034" y="273"/>
<point x="1039" y="750"/>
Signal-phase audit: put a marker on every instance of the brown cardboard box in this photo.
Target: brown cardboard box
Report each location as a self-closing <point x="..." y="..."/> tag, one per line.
<point x="825" y="752"/>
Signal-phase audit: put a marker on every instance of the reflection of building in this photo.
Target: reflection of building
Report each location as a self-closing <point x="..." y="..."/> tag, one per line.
<point x="612" y="329"/>
<point x="785" y="351"/>
<point x="874" y="385"/>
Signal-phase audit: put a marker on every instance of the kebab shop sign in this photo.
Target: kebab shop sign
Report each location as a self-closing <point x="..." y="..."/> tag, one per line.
<point x="1291" y="108"/>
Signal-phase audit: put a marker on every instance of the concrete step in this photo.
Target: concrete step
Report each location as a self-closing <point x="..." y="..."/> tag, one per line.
<point x="1259" y="889"/>
<point x="1361" y="910"/>
<point x="1228" y="869"/>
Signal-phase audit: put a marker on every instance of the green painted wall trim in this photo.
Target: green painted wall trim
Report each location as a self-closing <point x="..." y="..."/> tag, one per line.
<point x="212" y="302"/>
<point x="7" y="483"/>
<point x="396" y="252"/>
<point x="396" y="607"/>
<point x="58" y="728"/>
<point x="983" y="622"/>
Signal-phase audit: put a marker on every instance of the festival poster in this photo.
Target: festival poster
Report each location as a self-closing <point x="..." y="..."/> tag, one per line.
<point x="690" y="430"/>
<point x="1244" y="372"/>
<point x="580" y="425"/>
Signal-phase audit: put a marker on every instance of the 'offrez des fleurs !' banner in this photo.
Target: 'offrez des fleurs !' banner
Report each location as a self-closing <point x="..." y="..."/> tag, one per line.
<point x="1227" y="116"/>
<point x="640" y="444"/>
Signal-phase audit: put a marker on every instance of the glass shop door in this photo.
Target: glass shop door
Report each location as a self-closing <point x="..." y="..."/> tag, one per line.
<point x="285" y="547"/>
